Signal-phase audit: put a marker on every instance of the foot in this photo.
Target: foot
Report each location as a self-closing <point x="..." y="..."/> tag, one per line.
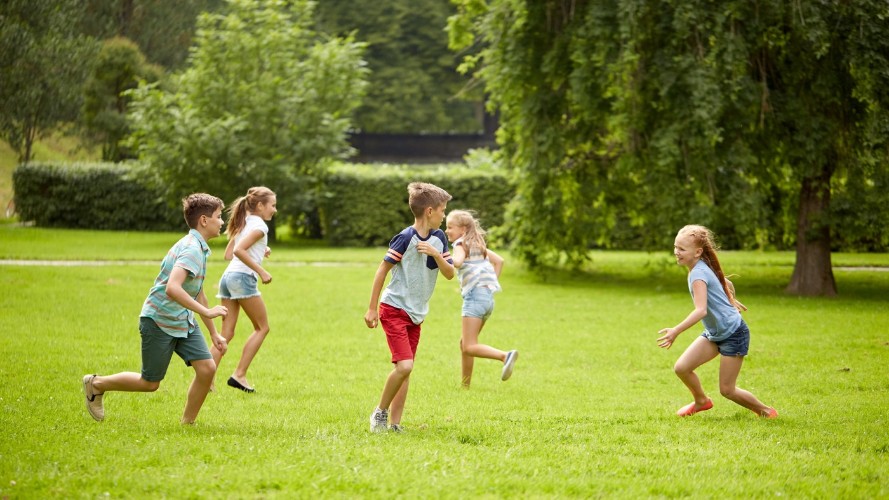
<point x="396" y="428"/>
<point x="379" y="420"/>
<point x="690" y="409"/>
<point x="509" y="364"/>
<point x="237" y="385"/>
<point x="93" y="400"/>
<point x="769" y="413"/>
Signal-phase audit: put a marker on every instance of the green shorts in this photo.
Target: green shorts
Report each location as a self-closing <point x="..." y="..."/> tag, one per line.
<point x="158" y="348"/>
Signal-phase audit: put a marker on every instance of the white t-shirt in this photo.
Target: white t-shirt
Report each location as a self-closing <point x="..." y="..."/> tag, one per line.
<point x="257" y="251"/>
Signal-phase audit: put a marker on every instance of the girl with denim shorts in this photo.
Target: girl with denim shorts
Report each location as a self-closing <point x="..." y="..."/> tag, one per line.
<point x="247" y="246"/>
<point x="725" y="333"/>
<point x="478" y="269"/>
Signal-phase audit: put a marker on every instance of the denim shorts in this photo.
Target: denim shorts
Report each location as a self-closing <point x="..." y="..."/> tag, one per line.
<point x="736" y="344"/>
<point x="235" y="286"/>
<point x="478" y="303"/>
<point x="158" y="348"/>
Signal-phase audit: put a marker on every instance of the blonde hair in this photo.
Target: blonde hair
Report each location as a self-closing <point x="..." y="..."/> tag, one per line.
<point x="704" y="239"/>
<point x="237" y="213"/>
<point x="422" y="195"/>
<point x="474" y="234"/>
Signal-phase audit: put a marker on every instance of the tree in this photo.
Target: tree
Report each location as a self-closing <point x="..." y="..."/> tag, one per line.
<point x="163" y="29"/>
<point x="413" y="84"/>
<point x="264" y="97"/>
<point x="626" y="119"/>
<point x="42" y="66"/>
<point x="119" y="67"/>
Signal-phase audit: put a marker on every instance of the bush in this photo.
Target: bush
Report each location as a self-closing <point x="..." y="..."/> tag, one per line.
<point x="92" y="196"/>
<point x="361" y="205"/>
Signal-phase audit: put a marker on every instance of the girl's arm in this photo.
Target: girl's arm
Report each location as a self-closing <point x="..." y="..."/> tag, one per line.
<point x="241" y="253"/>
<point x="230" y="248"/>
<point x="699" y="292"/>
<point x="496" y="261"/>
<point x="459" y="255"/>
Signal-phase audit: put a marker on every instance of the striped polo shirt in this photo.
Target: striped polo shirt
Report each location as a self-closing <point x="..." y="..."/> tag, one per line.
<point x="189" y="253"/>
<point x="476" y="272"/>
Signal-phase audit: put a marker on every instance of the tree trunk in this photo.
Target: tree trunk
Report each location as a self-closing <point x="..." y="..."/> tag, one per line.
<point x="813" y="273"/>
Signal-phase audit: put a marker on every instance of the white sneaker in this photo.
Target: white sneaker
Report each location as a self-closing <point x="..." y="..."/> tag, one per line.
<point x="396" y="428"/>
<point x="509" y="364"/>
<point x="379" y="420"/>
<point x="93" y="400"/>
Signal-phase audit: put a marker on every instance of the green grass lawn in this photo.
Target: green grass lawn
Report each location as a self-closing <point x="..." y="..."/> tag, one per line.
<point x="589" y="411"/>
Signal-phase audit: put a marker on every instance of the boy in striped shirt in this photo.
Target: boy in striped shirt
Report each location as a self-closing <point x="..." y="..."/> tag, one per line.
<point x="167" y="322"/>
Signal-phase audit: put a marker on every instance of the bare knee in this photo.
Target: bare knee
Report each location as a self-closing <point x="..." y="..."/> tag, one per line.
<point x="405" y="367"/>
<point x="204" y="369"/>
<point x="151" y="385"/>
<point x="681" y="369"/>
<point x="727" y="391"/>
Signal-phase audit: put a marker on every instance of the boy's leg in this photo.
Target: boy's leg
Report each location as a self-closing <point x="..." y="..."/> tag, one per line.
<point x="729" y="368"/>
<point x="699" y="352"/>
<point x="204" y="370"/>
<point x="255" y="309"/>
<point x="396" y="382"/>
<point x="124" y="381"/>
<point x="397" y="407"/>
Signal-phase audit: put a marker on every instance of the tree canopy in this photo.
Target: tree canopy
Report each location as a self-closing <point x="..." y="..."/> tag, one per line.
<point x="264" y="97"/>
<point x="626" y="119"/>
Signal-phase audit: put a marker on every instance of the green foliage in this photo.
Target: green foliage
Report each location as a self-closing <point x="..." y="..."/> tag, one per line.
<point x="43" y="63"/>
<point x="364" y="205"/>
<point x="119" y="67"/>
<point x="91" y="195"/>
<point x="624" y="120"/>
<point x="163" y="30"/>
<point x="264" y="98"/>
<point x="413" y="85"/>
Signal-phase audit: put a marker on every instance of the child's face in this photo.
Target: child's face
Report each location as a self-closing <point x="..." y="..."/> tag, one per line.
<point x="214" y="223"/>
<point x="267" y="210"/>
<point x="454" y="231"/>
<point x="685" y="250"/>
<point x="436" y="216"/>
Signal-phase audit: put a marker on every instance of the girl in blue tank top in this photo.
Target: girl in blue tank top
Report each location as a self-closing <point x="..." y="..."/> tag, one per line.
<point x="725" y="333"/>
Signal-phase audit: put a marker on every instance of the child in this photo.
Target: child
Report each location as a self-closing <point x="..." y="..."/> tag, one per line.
<point x="478" y="268"/>
<point x="725" y="332"/>
<point x="167" y="320"/>
<point x="247" y="246"/>
<point x="415" y="257"/>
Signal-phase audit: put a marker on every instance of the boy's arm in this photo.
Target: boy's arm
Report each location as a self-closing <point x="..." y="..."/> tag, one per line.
<point x="372" y="316"/>
<point x="176" y="292"/>
<point x="496" y="261"/>
<point x="446" y="268"/>
<point x="218" y="340"/>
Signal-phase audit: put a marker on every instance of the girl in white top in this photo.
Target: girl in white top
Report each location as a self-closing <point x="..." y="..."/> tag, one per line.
<point x="478" y="269"/>
<point x="247" y="246"/>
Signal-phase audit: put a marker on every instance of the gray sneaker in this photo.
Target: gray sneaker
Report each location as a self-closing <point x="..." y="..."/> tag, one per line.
<point x="396" y="428"/>
<point x="93" y="401"/>
<point x="379" y="420"/>
<point x="509" y="364"/>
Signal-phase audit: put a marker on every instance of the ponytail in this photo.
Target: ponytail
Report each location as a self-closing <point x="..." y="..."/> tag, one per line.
<point x="237" y="212"/>
<point x="704" y="238"/>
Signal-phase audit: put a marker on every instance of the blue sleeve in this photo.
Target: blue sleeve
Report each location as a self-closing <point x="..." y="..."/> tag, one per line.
<point x="397" y="247"/>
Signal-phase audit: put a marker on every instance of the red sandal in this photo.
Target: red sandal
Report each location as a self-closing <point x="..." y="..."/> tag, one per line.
<point x="690" y="409"/>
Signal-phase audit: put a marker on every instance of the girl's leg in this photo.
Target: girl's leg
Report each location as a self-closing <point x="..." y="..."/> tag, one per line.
<point x="204" y="371"/>
<point x="467" y="362"/>
<point x="228" y="327"/>
<point x="255" y="309"/>
<point x="470" y="347"/>
<point x="699" y="352"/>
<point x="729" y="368"/>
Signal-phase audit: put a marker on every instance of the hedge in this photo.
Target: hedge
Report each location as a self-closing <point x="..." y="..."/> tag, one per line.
<point x="91" y="196"/>
<point x="366" y="205"/>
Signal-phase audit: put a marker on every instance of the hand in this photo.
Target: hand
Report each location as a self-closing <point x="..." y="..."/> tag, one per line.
<point x="372" y="318"/>
<point x="265" y="277"/>
<point x="668" y="335"/>
<point x="216" y="311"/>
<point x="219" y="342"/>
<point x="426" y="248"/>
<point x="268" y="252"/>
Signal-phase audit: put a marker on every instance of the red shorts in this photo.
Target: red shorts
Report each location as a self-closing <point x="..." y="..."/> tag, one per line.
<point x="401" y="333"/>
